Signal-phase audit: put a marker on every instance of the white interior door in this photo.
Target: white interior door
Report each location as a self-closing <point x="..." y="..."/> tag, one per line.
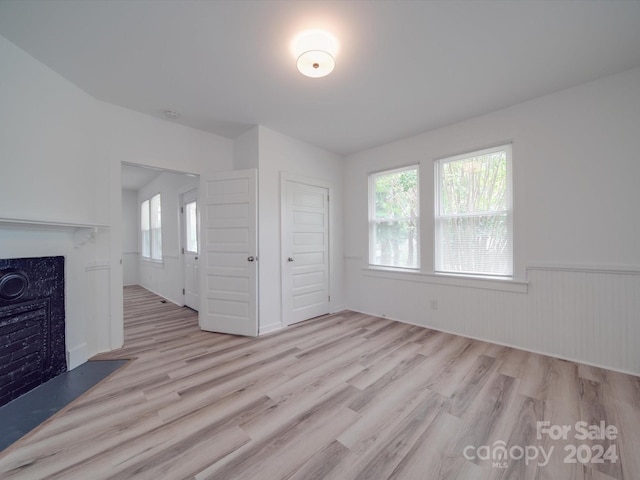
<point x="229" y="249"/>
<point x="305" y="251"/>
<point x="189" y="216"/>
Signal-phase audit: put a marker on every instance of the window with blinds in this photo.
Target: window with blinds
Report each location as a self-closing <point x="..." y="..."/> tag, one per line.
<point x="474" y="213"/>
<point x="156" y="227"/>
<point x="151" y="228"/>
<point x="145" y="228"/>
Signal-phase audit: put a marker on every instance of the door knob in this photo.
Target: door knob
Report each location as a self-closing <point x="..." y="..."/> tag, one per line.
<point x="250" y="259"/>
<point x="195" y="258"/>
<point x="290" y="259"/>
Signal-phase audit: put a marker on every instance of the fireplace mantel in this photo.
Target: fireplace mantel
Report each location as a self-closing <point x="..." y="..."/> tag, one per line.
<point x="82" y="232"/>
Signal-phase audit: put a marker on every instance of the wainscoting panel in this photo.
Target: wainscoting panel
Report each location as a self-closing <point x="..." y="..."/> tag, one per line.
<point x="130" y="275"/>
<point x="98" y="280"/>
<point x="588" y="315"/>
<point x="584" y="314"/>
<point x="163" y="278"/>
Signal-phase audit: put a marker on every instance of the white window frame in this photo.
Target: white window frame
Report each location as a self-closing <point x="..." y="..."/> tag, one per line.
<point x="373" y="221"/>
<point x="438" y="216"/>
<point x="149" y="244"/>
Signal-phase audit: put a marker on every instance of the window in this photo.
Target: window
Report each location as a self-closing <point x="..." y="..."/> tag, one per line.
<point x="473" y="213"/>
<point x="393" y="218"/>
<point x="145" y="226"/>
<point x="151" y="228"/>
<point x="191" y="219"/>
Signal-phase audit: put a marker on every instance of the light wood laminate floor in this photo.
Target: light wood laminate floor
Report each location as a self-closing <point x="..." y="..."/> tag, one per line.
<point x="345" y="396"/>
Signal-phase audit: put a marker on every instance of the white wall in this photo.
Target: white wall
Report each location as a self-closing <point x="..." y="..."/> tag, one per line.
<point x="47" y="143"/>
<point x="279" y="153"/>
<point x="246" y="150"/>
<point x="130" y="240"/>
<point x="140" y="139"/>
<point x="131" y="137"/>
<point x="576" y="169"/>
<point x="47" y="167"/>
<point x="60" y="161"/>
<point x="166" y="278"/>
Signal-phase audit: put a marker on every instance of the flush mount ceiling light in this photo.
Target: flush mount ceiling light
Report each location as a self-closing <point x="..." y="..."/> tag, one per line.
<point x="315" y="52"/>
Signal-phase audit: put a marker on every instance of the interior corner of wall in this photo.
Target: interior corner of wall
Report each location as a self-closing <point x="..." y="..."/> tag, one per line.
<point x="264" y="329"/>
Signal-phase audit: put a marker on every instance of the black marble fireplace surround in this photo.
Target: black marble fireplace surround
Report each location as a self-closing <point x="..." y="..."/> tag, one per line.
<point x="32" y="324"/>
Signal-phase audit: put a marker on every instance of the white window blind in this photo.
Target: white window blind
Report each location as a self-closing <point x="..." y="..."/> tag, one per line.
<point x="474" y="213"/>
<point x="145" y="228"/>
<point x="151" y="228"/>
<point x="394" y="218"/>
<point x="156" y="227"/>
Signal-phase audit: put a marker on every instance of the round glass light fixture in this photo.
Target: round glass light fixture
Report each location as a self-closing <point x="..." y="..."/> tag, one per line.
<point x="316" y="63"/>
<point x="315" y="52"/>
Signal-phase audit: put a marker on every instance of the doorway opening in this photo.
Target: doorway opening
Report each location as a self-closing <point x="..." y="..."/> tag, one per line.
<point x="154" y="237"/>
<point x="189" y="250"/>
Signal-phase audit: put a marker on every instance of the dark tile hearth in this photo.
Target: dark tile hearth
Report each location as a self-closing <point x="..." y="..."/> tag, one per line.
<point x="20" y="416"/>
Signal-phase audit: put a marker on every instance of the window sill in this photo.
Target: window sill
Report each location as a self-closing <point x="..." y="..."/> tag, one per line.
<point x="150" y="261"/>
<point x="466" y="281"/>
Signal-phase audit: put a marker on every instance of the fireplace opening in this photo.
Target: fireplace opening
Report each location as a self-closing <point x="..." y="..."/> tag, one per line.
<point x="13" y="284"/>
<point x="32" y="324"/>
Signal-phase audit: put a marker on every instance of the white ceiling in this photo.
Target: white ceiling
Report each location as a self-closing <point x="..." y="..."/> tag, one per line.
<point x="404" y="67"/>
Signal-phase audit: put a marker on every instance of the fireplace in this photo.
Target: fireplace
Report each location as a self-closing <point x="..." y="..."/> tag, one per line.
<point x="32" y="324"/>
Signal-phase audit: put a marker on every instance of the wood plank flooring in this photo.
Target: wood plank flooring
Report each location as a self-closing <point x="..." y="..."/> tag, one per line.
<point x="345" y="396"/>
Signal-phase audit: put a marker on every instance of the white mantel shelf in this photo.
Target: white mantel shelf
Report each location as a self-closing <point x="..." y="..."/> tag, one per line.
<point x="47" y="223"/>
<point x="82" y="232"/>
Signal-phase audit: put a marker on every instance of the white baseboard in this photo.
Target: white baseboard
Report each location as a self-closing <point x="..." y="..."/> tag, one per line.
<point x="505" y="344"/>
<point x="274" y="327"/>
<point x="77" y="355"/>
<point x="163" y="296"/>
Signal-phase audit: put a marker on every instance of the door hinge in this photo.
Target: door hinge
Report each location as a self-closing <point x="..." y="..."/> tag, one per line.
<point x="329" y="297"/>
<point x="183" y="292"/>
<point x="183" y="250"/>
<point x="181" y="209"/>
<point x="328" y="198"/>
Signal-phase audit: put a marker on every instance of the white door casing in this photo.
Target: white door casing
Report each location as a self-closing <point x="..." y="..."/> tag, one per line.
<point x="190" y="253"/>
<point x="228" y="253"/>
<point x="305" y="250"/>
